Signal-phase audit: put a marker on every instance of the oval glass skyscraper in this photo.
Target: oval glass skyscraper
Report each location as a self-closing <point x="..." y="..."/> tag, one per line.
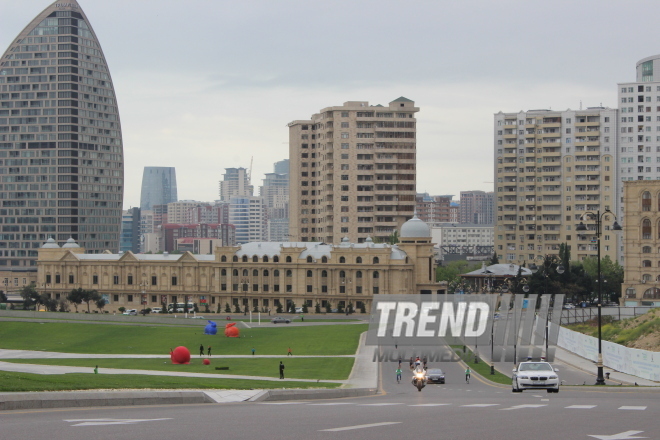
<point x="61" y="153"/>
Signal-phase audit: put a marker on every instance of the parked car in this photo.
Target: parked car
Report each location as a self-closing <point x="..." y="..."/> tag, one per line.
<point x="278" y="320"/>
<point x="299" y="309"/>
<point x="435" y="375"/>
<point x="130" y="312"/>
<point x="535" y="375"/>
<point x="156" y="310"/>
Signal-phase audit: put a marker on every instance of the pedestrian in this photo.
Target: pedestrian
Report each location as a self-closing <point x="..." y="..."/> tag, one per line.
<point x="398" y="374"/>
<point x="201" y="350"/>
<point x="281" y="370"/>
<point x="96" y="370"/>
<point x="209" y="352"/>
<point x="253" y="350"/>
<point x="288" y="353"/>
<point x="302" y="318"/>
<point x="399" y="361"/>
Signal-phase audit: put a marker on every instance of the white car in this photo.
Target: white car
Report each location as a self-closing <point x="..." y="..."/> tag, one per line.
<point x="132" y="312"/>
<point x="157" y="310"/>
<point x="535" y="375"/>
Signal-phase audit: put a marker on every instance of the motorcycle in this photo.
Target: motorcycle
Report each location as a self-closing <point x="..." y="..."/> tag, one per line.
<point x="419" y="379"/>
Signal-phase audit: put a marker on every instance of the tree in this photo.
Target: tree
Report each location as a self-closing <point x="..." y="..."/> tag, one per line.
<point x="30" y="296"/>
<point x="317" y="308"/>
<point x="349" y="309"/>
<point x="80" y="295"/>
<point x="100" y="303"/>
<point x="362" y="308"/>
<point x="3" y="297"/>
<point x="393" y="238"/>
<point x="292" y="307"/>
<point x="340" y="307"/>
<point x="278" y="309"/>
<point x="227" y="308"/>
<point x="452" y="271"/>
<point x="612" y="274"/>
<point x="48" y="302"/>
<point x="304" y="308"/>
<point x="328" y="307"/>
<point x="494" y="259"/>
<point x="237" y="308"/>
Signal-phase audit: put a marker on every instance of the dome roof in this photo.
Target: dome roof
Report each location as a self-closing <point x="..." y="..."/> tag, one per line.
<point x="415" y="228"/>
<point x="70" y="243"/>
<point x="50" y="244"/>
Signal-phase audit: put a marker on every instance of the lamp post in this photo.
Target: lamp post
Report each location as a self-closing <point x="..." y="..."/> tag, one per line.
<point x="143" y="286"/>
<point x="346" y="283"/>
<point x="547" y="265"/>
<point x="244" y="284"/>
<point x="598" y="217"/>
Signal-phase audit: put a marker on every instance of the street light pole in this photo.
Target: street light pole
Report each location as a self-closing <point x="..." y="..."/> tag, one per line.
<point x="600" y="379"/>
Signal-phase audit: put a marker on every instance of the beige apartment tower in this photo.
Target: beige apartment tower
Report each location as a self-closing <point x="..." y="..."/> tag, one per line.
<point x="550" y="168"/>
<point x="352" y="172"/>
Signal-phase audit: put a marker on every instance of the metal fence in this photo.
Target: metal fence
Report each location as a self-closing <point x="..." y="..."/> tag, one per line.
<point x="582" y="314"/>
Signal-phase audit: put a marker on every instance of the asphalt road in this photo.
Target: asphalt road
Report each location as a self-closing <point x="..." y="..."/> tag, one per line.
<point x="455" y="410"/>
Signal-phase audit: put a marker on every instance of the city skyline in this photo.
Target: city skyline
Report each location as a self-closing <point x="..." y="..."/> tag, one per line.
<point x="208" y="108"/>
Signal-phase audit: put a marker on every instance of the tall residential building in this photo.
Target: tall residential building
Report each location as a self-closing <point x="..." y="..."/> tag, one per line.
<point x="477" y="207"/>
<point x="550" y="168"/>
<point x="236" y="182"/>
<point x="453" y="212"/>
<point x="433" y="209"/>
<point x="130" y="231"/>
<point x="158" y="187"/>
<point x="275" y="192"/>
<point x="248" y="215"/>
<point x="353" y="171"/>
<point x="181" y="211"/>
<point x="61" y="149"/>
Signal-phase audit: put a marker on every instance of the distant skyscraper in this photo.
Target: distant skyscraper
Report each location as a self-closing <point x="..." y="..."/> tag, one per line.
<point x="235" y="183"/>
<point x="281" y="167"/>
<point x="433" y="209"/>
<point x="158" y="187"/>
<point x="248" y="215"/>
<point x="60" y="139"/>
<point x="275" y="192"/>
<point x="477" y="207"/>
<point x="130" y="231"/>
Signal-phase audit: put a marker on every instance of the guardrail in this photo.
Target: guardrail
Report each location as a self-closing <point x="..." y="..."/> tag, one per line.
<point x="582" y="314"/>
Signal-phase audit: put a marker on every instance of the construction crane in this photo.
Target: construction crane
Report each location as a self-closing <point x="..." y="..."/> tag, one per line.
<point x="250" y="172"/>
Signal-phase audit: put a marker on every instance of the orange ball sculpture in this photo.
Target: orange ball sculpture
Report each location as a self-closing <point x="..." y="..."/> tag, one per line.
<point x="231" y="331"/>
<point x="180" y="355"/>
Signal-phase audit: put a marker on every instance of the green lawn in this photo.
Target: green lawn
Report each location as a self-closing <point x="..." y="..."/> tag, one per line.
<point x="15" y="382"/>
<point x="295" y="368"/>
<point x="481" y="368"/>
<point x="119" y="339"/>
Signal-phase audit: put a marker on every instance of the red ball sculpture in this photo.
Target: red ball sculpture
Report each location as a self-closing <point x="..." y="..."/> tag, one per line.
<point x="180" y="355"/>
<point x="206" y="362"/>
<point x="231" y="331"/>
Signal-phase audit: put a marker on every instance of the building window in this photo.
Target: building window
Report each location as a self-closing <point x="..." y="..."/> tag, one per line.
<point x="342" y="260"/>
<point x="154" y="280"/>
<point x="70" y="279"/>
<point x="115" y="279"/>
<point x="95" y="279"/>
<point x="115" y="298"/>
<point x="57" y="280"/>
<point x="129" y="298"/>
<point x="129" y="280"/>
<point x="174" y="281"/>
<point x="309" y="289"/>
<point x="376" y="260"/>
<point x="288" y="259"/>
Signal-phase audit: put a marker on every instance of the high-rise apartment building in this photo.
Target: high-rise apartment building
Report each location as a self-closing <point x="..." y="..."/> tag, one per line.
<point x="158" y="187"/>
<point x="352" y="172"/>
<point x="236" y="182"/>
<point x="61" y="153"/>
<point x="433" y="209"/>
<point x="248" y="215"/>
<point x="275" y="193"/>
<point x="477" y="207"/>
<point x="550" y="168"/>
<point x="130" y="231"/>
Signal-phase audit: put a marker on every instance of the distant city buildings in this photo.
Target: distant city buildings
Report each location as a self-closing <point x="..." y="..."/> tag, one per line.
<point x="454" y="241"/>
<point x="248" y="215"/>
<point x="130" y="231"/>
<point x="236" y="182"/>
<point x="158" y="187"/>
<point x="61" y="150"/>
<point x="477" y="207"/>
<point x="353" y="172"/>
<point x="433" y="209"/>
<point x="275" y="193"/>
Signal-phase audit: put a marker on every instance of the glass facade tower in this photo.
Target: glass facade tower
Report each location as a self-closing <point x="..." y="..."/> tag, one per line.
<point x="158" y="187"/>
<point x="61" y="154"/>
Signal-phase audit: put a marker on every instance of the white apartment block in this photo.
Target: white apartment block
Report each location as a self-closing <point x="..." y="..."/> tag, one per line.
<point x="248" y="215"/>
<point x="550" y="168"/>
<point x="236" y="182"/>
<point x="463" y="239"/>
<point x="180" y="212"/>
<point x="352" y="172"/>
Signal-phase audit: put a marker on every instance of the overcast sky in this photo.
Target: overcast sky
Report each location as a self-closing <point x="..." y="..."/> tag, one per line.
<point x="205" y="85"/>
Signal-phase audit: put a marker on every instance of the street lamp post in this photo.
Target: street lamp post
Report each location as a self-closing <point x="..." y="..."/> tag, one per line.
<point x="143" y="286"/>
<point x="598" y="217"/>
<point x="244" y="284"/>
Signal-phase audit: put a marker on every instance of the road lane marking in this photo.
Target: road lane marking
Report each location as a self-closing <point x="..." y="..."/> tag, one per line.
<point x="580" y="407"/>
<point x="370" y="425"/>
<point x="431" y="404"/>
<point x="523" y="406"/>
<point x="281" y="403"/>
<point x="332" y="403"/>
<point x="620" y="436"/>
<point x="100" y="422"/>
<point x="381" y="404"/>
<point x="480" y="405"/>
<point x="634" y="408"/>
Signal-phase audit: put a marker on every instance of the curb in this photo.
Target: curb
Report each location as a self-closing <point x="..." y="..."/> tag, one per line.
<point x="280" y="395"/>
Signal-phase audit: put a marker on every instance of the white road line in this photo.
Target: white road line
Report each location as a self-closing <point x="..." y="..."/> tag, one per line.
<point x="281" y="403"/>
<point x="523" y="406"/>
<point x="380" y="404"/>
<point x="480" y="405"/>
<point x="635" y="408"/>
<point x="431" y="404"/>
<point x="99" y="422"/>
<point x="370" y="425"/>
<point x="580" y="407"/>
<point x="332" y="403"/>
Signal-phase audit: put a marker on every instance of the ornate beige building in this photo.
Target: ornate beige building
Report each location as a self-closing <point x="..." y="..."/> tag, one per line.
<point x="641" y="243"/>
<point x="257" y="275"/>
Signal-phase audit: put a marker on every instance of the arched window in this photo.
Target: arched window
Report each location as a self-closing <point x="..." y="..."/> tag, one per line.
<point x="235" y="272"/>
<point x="265" y="258"/>
<point x="223" y="273"/>
<point x="276" y="259"/>
<point x="235" y="259"/>
<point x="646" y="201"/>
<point x="631" y="292"/>
<point x="309" y="259"/>
<point x="376" y="274"/>
<point x="646" y="277"/>
<point x="245" y="259"/>
<point x="245" y="272"/>
<point x="324" y="259"/>
<point x="358" y="260"/>
<point x="342" y="274"/>
<point x="223" y="259"/>
<point x="255" y="273"/>
<point x="376" y="260"/>
<point x="358" y="274"/>
<point x="288" y="259"/>
<point x="265" y="273"/>
<point x="255" y="259"/>
<point x="652" y="293"/>
<point x="342" y="260"/>
<point x="289" y="273"/>
<point x="646" y="263"/>
<point x="324" y="274"/>
<point x="309" y="274"/>
<point x="646" y="229"/>
<point x="646" y="250"/>
<point x="276" y="273"/>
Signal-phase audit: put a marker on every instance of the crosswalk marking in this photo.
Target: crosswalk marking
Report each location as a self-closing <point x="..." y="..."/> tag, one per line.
<point x="481" y="405"/>
<point x="431" y="404"/>
<point x="634" y="408"/>
<point x="370" y="425"/>
<point x="381" y="404"/>
<point x="523" y="406"/>
<point x="331" y="403"/>
<point x="281" y="403"/>
<point x="100" y="422"/>
<point x="580" y="406"/>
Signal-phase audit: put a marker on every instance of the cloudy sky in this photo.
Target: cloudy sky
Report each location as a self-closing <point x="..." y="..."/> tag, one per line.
<point x="203" y="85"/>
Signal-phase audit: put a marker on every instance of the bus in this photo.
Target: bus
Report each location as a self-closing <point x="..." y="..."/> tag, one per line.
<point x="180" y="307"/>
